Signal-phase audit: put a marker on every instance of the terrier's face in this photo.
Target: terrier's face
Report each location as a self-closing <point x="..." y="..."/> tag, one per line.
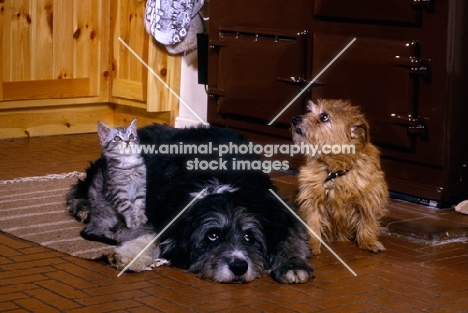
<point x="330" y="122"/>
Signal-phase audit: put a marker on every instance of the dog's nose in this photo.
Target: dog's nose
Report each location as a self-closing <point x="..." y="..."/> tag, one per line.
<point x="296" y="120"/>
<point x="238" y="267"/>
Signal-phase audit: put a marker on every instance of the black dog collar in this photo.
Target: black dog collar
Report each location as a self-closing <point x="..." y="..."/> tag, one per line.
<point x="329" y="182"/>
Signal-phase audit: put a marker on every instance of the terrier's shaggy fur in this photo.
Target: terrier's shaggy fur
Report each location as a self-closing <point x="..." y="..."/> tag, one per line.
<point x="342" y="196"/>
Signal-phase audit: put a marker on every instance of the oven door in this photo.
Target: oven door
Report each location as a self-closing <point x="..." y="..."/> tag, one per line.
<point x="253" y="75"/>
<point x="382" y="77"/>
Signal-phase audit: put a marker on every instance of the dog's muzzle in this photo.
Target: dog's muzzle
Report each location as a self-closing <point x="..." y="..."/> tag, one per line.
<point x="296" y="121"/>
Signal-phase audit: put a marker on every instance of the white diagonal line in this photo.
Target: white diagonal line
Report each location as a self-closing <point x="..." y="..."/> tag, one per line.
<point x="163" y="82"/>
<point x="162" y="231"/>
<point x="313" y="233"/>
<point x="313" y="80"/>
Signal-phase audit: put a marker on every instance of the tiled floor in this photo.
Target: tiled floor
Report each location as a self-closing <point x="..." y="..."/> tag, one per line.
<point x="411" y="276"/>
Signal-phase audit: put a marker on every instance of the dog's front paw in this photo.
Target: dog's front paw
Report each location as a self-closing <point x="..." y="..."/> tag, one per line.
<point x="296" y="271"/>
<point x="296" y="277"/>
<point x="160" y="262"/>
<point x="315" y="247"/>
<point x="157" y="263"/>
<point x="316" y="250"/>
<point x="375" y="247"/>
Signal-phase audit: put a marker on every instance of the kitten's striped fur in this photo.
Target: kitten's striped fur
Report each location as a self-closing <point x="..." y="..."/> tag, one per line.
<point x="117" y="194"/>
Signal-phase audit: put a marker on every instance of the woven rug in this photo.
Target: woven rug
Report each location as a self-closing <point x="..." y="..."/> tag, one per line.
<point x="34" y="209"/>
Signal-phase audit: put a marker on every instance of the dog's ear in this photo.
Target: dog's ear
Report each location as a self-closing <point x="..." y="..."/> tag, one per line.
<point x="360" y="132"/>
<point x="311" y="107"/>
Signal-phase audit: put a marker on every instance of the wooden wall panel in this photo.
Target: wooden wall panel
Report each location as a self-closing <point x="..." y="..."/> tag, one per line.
<point x="168" y="68"/>
<point x="133" y="33"/>
<point x="42" y="41"/>
<point x="130" y="74"/>
<point x="128" y="25"/>
<point x="56" y="69"/>
<point x="54" y="39"/>
<point x="2" y="36"/>
<point x="18" y="59"/>
<point x="63" y="53"/>
<point x="47" y="89"/>
<point x="52" y="121"/>
<point x="87" y="39"/>
<point x="123" y="115"/>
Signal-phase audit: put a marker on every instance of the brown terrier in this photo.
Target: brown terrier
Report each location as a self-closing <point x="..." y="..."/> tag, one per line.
<point x="342" y="190"/>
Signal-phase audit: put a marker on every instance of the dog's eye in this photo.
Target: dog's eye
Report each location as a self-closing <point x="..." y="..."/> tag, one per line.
<point x="117" y="138"/>
<point x="248" y="237"/>
<point x="212" y="236"/>
<point x="324" y="117"/>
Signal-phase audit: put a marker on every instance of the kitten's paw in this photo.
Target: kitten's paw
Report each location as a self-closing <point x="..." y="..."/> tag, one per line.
<point x="136" y="220"/>
<point x="141" y="218"/>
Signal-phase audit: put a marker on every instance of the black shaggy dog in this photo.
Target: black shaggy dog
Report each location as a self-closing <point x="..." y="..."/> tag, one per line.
<point x="233" y="232"/>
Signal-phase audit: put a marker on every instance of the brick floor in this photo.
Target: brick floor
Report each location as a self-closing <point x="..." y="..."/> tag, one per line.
<point x="409" y="277"/>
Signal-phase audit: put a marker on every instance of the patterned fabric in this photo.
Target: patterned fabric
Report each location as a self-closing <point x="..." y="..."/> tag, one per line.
<point x="168" y="21"/>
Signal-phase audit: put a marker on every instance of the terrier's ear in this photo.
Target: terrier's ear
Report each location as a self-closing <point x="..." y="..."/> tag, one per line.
<point x="312" y="107"/>
<point x="360" y="132"/>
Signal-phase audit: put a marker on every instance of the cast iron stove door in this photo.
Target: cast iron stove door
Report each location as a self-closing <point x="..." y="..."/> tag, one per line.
<point x="381" y="76"/>
<point x="253" y="75"/>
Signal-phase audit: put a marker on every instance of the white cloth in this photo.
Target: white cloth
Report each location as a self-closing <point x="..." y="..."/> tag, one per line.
<point x="169" y="21"/>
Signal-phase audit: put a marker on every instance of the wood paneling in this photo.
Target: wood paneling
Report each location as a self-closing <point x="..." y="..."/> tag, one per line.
<point x="167" y="67"/>
<point x="123" y="115"/>
<point x="53" y="121"/>
<point x="75" y="119"/>
<point x="46" y="89"/>
<point x="131" y="79"/>
<point x="59" y="59"/>
<point x="42" y="40"/>
<point x="52" y="40"/>
<point x="128" y="25"/>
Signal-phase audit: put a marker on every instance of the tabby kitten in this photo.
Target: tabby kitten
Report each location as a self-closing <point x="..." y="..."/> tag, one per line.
<point x="116" y="198"/>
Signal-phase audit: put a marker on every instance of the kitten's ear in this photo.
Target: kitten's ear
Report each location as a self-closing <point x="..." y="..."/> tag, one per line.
<point x="133" y="124"/>
<point x="103" y="131"/>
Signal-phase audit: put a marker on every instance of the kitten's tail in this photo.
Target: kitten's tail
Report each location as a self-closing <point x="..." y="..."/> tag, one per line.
<point x="77" y="197"/>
